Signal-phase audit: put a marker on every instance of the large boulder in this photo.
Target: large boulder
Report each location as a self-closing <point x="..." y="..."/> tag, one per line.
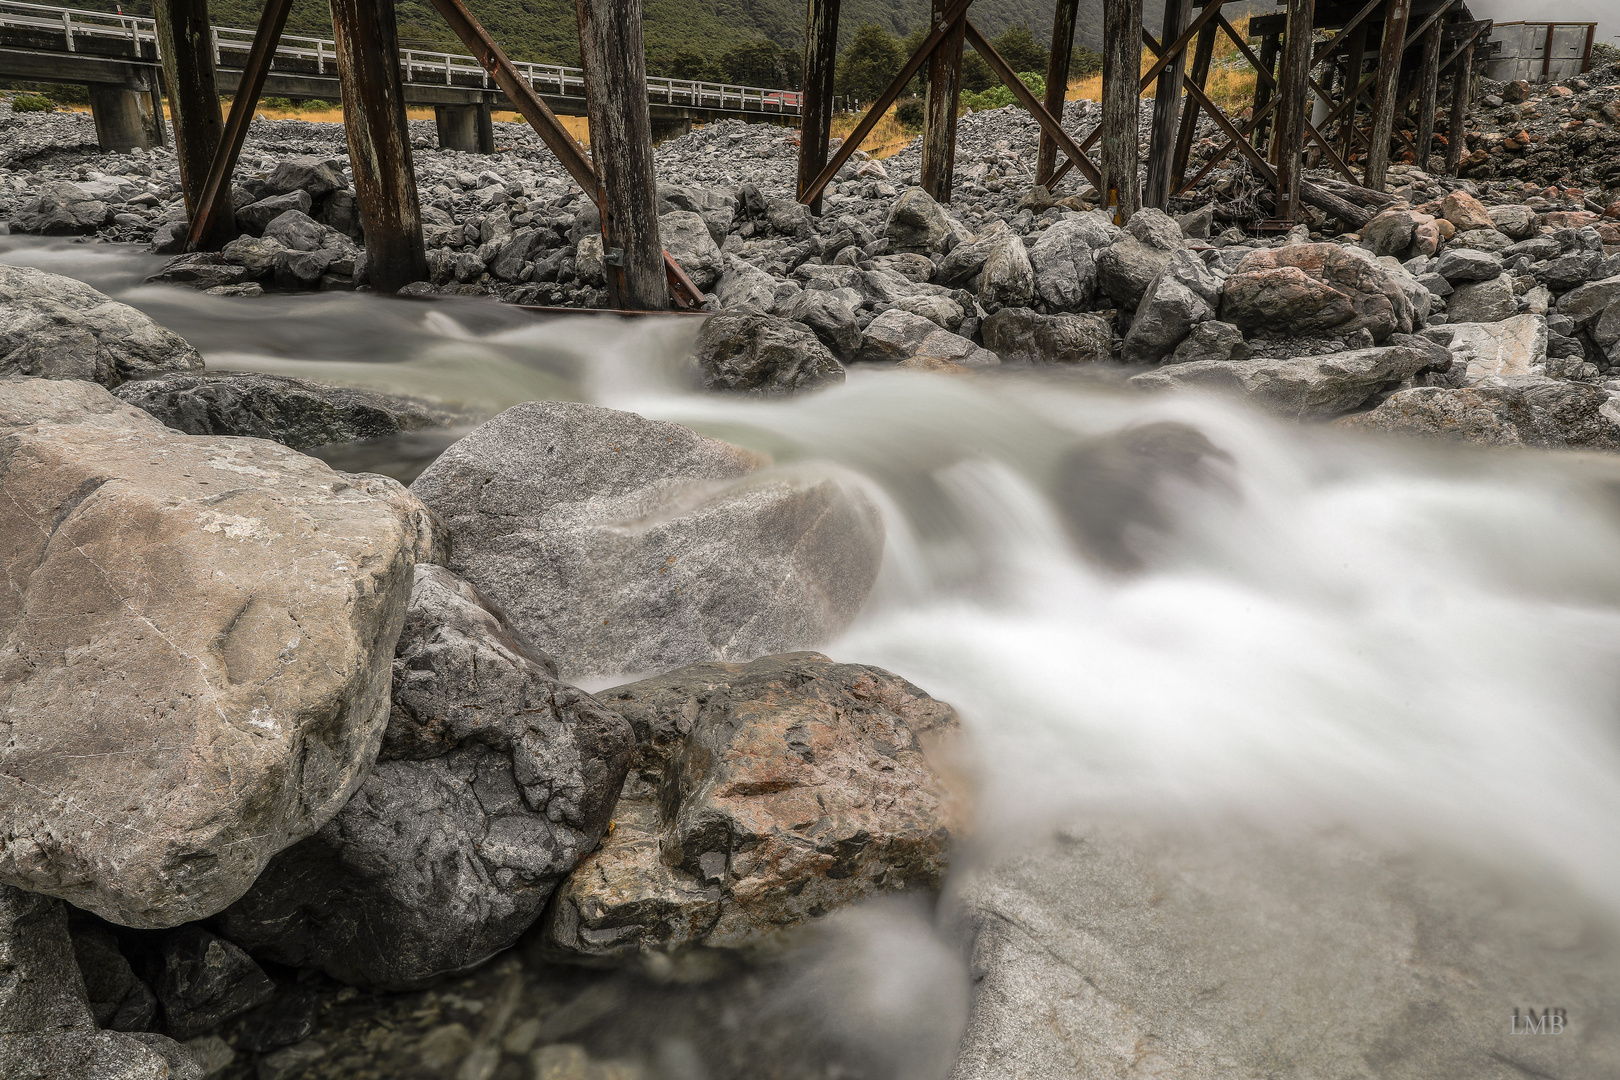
<point x="619" y="543"/>
<point x="1065" y="269"/>
<point x="745" y="285"/>
<point x="293" y="412"/>
<point x="256" y="215"/>
<point x="316" y="176"/>
<point x="688" y="242"/>
<point x="762" y="354"/>
<point x="231" y="602"/>
<point x="54" y="327"/>
<point x="1183" y="295"/>
<point x="1527" y="411"/>
<point x="831" y="318"/>
<point x="1506" y="349"/>
<point x="60" y="208"/>
<point x="1019" y="335"/>
<point x="917" y="223"/>
<point x="1466" y="212"/>
<point x="1113" y="949"/>
<point x="761" y="796"/>
<point x="896" y="335"/>
<point x="494" y="780"/>
<point x="1460" y="265"/>
<point x="1302" y="387"/>
<point x="1007" y="279"/>
<point x="46" y="1028"/>
<point x="1491" y="300"/>
<point x="1315" y="289"/>
<point x="967" y="258"/>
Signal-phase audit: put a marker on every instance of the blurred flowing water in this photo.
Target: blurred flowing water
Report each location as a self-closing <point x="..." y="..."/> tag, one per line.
<point x="1419" y="642"/>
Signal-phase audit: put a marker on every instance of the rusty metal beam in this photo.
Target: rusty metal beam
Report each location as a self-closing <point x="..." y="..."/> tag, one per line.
<point x="265" y="39"/>
<point x="685" y="293"/>
<point x="852" y="142"/>
<point x="1027" y="99"/>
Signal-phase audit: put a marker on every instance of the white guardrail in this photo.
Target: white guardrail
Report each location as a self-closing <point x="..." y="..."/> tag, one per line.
<point x="418" y="66"/>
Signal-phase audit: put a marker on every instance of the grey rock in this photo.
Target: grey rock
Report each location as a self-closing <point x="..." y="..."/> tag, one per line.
<point x="1587" y="303"/>
<point x="1515" y="411"/>
<point x="1127" y="267"/>
<point x="967" y="258"/>
<point x="296" y="230"/>
<point x="341" y="211"/>
<point x="1019" y="335"/>
<point x="256" y="216"/>
<point x="526" y="245"/>
<point x="718" y="565"/>
<point x="1568" y="271"/>
<point x="1316" y="289"/>
<point x="944" y="311"/>
<point x="1065" y="269"/>
<point x="494" y="780"/>
<point x="945" y="351"/>
<point x="762" y="796"/>
<point x="46" y="1030"/>
<point x="57" y="328"/>
<point x="303" y="269"/>
<point x="917" y="223"/>
<point x="257" y="598"/>
<point x="207" y="980"/>
<point x="1183" y="295"/>
<point x="1156" y="229"/>
<point x="1482" y="301"/>
<point x="1389" y="233"/>
<point x="1516" y="221"/>
<point x="830" y="318"/>
<point x="895" y="335"/>
<point x="256" y="255"/>
<point x="909" y="265"/>
<point x="746" y="285"/>
<point x="1198" y="224"/>
<point x="1459" y="265"/>
<point x="762" y="354"/>
<point x="1300" y="388"/>
<point x="203" y="270"/>
<point x="1007" y="278"/>
<point x="118" y="1000"/>
<point x="1212" y="340"/>
<point x="60" y="209"/>
<point x="1498" y="350"/>
<point x="1481" y="240"/>
<point x="687" y="239"/>
<point x="1118" y="947"/>
<point x="293" y="412"/>
<point x="312" y="175"/>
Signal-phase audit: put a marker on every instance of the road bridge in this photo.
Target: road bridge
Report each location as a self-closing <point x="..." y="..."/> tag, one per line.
<point x="118" y="58"/>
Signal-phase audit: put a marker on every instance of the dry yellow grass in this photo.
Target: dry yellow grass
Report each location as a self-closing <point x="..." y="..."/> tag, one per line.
<point x="886" y="139"/>
<point x="1231" y="78"/>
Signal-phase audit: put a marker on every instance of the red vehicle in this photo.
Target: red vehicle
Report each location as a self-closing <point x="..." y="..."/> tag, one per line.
<point x="787" y="99"/>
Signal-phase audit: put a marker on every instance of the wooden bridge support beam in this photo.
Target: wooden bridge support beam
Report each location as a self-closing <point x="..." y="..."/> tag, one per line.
<point x="1262" y="88"/>
<point x="1293" y="104"/>
<point x="1390" y="51"/>
<point x="612" y="52"/>
<point x="1428" y="92"/>
<point x="186" y="43"/>
<point x="940" y="108"/>
<point x="1166" y="99"/>
<point x="379" y="141"/>
<point x="1462" y="87"/>
<point x="820" y="64"/>
<point x="1187" y="129"/>
<point x="1057" y="83"/>
<point x="1122" y="51"/>
<point x="1355" y="58"/>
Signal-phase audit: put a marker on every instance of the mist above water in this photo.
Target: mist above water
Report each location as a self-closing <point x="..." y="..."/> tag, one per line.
<point x="1419" y="642"/>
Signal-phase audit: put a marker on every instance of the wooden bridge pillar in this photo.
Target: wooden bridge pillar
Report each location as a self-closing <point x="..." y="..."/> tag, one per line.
<point x="467" y="128"/>
<point x="1122" y="77"/>
<point x="612" y="53"/>
<point x="1166" y="99"/>
<point x="1187" y="129"/>
<point x="379" y="141"/>
<point x="186" y="42"/>
<point x="1390" y="51"/>
<point x="1462" y="88"/>
<point x="1057" y="83"/>
<point x="1293" y="105"/>
<point x="1355" y="58"/>
<point x="939" y="125"/>
<point x="820" y="63"/>
<point x="121" y="122"/>
<point x="1428" y="92"/>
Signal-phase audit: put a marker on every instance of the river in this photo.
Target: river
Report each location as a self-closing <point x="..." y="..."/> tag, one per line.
<point x="1418" y="642"/>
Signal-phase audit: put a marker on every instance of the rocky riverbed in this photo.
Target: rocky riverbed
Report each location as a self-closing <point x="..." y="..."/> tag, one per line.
<point x="529" y="769"/>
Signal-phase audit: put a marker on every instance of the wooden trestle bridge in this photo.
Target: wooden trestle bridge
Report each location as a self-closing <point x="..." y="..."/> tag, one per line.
<point x="1348" y="101"/>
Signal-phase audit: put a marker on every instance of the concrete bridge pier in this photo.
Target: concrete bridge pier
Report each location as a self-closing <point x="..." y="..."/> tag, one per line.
<point x="125" y="117"/>
<point x="665" y="128"/>
<point x="467" y="128"/>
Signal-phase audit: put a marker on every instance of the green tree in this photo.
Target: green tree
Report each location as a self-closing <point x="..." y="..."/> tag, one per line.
<point x="692" y="65"/>
<point x="1019" y="48"/>
<point x="754" y="63"/>
<point x="976" y="74"/>
<point x="1084" y="61"/>
<point x="869" y="64"/>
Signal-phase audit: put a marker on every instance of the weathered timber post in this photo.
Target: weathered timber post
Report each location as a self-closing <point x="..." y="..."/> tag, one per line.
<point x="1187" y="130"/>
<point x="1294" y="98"/>
<point x="1166" y="99"/>
<point x="1262" y="87"/>
<point x="939" y="125"/>
<point x="1057" y="83"/>
<point x="186" y="42"/>
<point x="1428" y="92"/>
<point x="1389" y="75"/>
<point x="1122" y="74"/>
<point x="1355" y="57"/>
<point x="1462" y="86"/>
<point x="379" y="141"/>
<point x="820" y="64"/>
<point x="615" y="63"/>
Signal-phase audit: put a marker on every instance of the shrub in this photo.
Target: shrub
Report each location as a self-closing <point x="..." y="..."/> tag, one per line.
<point x="279" y="103"/>
<point x="315" y="105"/>
<point x="31" y="103"/>
<point x="909" y="113"/>
<point x="999" y="96"/>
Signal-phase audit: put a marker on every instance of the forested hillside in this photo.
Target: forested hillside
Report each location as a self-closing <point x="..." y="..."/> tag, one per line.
<point x="680" y="34"/>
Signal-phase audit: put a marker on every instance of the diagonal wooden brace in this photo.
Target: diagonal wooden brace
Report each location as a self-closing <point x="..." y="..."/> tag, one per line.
<point x="1048" y="123"/>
